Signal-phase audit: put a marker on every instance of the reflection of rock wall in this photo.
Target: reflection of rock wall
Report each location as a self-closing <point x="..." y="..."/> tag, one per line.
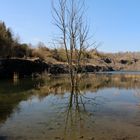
<point x="92" y="82"/>
<point x="116" y="80"/>
<point x="12" y="94"/>
<point x="10" y="103"/>
<point x="23" y="89"/>
<point x="126" y="81"/>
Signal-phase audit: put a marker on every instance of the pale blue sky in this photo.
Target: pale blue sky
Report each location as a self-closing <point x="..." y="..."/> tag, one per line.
<point x="115" y="23"/>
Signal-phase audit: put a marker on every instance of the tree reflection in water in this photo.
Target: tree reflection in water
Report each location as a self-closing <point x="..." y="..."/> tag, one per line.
<point x="79" y="114"/>
<point x="11" y="94"/>
<point x="79" y="111"/>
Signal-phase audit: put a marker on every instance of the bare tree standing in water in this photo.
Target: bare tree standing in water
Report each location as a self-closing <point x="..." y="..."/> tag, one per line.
<point x="69" y="17"/>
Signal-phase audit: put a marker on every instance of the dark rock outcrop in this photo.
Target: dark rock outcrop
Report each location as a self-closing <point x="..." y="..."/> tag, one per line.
<point x="92" y="68"/>
<point x="23" y="67"/>
<point x="107" y="60"/>
<point x="124" y="61"/>
<point x="58" y="68"/>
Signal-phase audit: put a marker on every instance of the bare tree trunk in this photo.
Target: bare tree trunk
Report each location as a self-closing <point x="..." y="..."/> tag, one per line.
<point x="69" y="18"/>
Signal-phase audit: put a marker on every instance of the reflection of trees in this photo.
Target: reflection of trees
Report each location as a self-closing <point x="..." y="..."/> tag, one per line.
<point x="10" y="103"/>
<point x="22" y="85"/>
<point x="12" y="94"/>
<point x="80" y="107"/>
<point x="78" y="113"/>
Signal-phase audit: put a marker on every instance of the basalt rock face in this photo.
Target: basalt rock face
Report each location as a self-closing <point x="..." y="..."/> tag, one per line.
<point x="63" y="69"/>
<point x="20" y="66"/>
<point x="24" y="67"/>
<point x="95" y="68"/>
<point x="58" y="69"/>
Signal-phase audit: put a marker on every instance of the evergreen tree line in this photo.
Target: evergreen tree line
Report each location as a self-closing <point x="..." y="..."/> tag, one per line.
<point x="9" y="46"/>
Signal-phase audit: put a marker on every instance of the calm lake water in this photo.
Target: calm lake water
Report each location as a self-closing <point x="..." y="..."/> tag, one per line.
<point x="106" y="106"/>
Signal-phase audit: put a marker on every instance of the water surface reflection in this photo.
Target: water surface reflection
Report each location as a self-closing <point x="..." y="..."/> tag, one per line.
<point x="102" y="107"/>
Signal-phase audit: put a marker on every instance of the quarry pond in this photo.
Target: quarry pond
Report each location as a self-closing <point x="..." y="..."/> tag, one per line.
<point x="105" y="106"/>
